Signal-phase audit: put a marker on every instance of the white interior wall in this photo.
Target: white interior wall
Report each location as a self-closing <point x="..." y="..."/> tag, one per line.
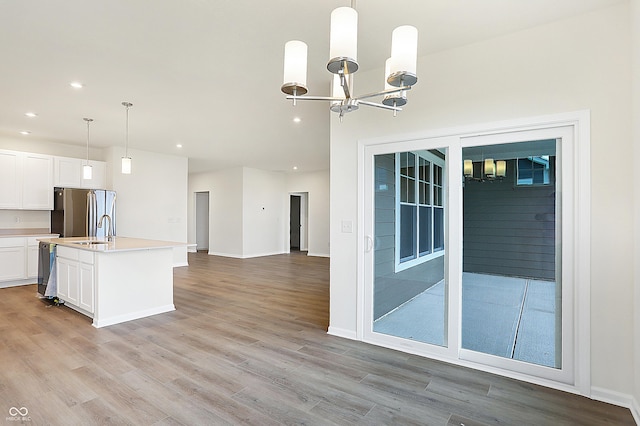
<point x="264" y="220"/>
<point x="152" y="200"/>
<point x="19" y="219"/>
<point x="316" y="185"/>
<point x="570" y="65"/>
<point x="635" y="57"/>
<point x="31" y="143"/>
<point x="225" y="210"/>
<point x="238" y="225"/>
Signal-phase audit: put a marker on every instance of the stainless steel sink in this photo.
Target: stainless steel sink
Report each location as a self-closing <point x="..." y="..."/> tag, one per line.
<point x="89" y="243"/>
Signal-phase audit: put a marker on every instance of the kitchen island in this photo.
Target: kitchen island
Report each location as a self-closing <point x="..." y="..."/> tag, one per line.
<point x="114" y="281"/>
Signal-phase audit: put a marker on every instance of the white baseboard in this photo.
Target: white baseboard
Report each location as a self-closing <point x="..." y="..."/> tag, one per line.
<point x="635" y="410"/>
<point x="318" y="254"/>
<point x="17" y="283"/>
<point x="617" y="398"/>
<point x="341" y="332"/>
<point x="133" y="316"/>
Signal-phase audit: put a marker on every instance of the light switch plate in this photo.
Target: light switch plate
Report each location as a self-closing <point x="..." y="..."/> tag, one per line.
<point x="347" y="226"/>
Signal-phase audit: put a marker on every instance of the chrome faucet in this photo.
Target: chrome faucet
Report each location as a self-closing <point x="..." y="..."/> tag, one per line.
<point x="109" y="229"/>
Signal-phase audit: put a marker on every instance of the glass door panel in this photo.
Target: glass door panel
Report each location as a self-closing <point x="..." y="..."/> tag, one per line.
<point x="511" y="289"/>
<point x="409" y="289"/>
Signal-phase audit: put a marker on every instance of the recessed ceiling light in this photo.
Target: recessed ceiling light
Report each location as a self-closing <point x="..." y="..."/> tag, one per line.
<point x="178" y="145"/>
<point x="76" y="85"/>
<point x="25" y="132"/>
<point x="31" y="114"/>
<point x="295" y="167"/>
<point x="297" y="119"/>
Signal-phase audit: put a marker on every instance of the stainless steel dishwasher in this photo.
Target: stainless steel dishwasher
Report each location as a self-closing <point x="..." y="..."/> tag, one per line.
<point x="46" y="257"/>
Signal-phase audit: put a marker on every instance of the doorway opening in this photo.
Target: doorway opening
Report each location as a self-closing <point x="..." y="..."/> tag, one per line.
<point x="202" y="221"/>
<point x="298" y="219"/>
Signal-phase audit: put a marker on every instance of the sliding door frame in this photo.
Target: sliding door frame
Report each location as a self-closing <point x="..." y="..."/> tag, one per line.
<point x="573" y="127"/>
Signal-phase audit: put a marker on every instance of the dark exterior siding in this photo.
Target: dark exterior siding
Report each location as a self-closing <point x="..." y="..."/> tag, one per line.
<point x="393" y="289"/>
<point x="509" y="230"/>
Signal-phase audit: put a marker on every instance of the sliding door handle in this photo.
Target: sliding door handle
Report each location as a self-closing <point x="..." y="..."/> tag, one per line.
<point x="368" y="244"/>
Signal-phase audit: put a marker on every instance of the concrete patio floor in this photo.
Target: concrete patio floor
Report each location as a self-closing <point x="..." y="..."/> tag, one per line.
<point x="504" y="316"/>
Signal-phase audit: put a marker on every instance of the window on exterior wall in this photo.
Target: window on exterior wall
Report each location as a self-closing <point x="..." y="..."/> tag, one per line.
<point x="534" y="171"/>
<point x="421" y="207"/>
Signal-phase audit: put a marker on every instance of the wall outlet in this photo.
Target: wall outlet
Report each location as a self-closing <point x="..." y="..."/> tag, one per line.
<point x="347" y="227"/>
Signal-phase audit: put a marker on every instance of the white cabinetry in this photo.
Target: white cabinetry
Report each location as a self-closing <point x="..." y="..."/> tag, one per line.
<point x="10" y="191"/>
<point x="37" y="182"/>
<point x="26" y="181"/>
<point x="32" y="257"/>
<point x="19" y="259"/>
<point x="76" y="278"/>
<point x="68" y="173"/>
<point x="12" y="259"/>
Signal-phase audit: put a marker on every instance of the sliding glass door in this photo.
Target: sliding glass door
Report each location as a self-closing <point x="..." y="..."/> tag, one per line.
<point x="464" y="249"/>
<point x="409" y="286"/>
<point x="511" y="281"/>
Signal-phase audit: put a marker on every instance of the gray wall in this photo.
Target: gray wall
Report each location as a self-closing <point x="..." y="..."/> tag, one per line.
<point x="393" y="289"/>
<point x="509" y="230"/>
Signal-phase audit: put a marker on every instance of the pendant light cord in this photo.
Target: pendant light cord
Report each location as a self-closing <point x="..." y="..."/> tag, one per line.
<point x="88" y="120"/>
<point x="126" y="135"/>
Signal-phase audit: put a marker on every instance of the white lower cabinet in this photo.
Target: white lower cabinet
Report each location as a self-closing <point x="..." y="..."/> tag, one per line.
<point x="12" y="259"/>
<point x="87" y="286"/>
<point x="76" y="278"/>
<point x="32" y="257"/>
<point x="19" y="260"/>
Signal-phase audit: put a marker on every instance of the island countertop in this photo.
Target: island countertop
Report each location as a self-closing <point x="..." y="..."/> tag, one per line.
<point x="117" y="244"/>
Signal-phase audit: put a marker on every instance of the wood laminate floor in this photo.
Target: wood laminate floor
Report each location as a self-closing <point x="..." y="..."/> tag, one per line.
<point x="247" y="345"/>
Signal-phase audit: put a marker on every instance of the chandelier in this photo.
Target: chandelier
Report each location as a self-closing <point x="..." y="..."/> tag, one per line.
<point x="400" y="68"/>
<point x="489" y="170"/>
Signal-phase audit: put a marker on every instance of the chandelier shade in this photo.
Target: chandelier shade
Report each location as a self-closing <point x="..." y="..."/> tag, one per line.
<point x="343" y="41"/>
<point x="295" y="68"/>
<point x="490" y="170"/>
<point x="489" y="167"/>
<point x="400" y="69"/>
<point x="404" y="50"/>
<point x="468" y="168"/>
<point x="396" y="98"/>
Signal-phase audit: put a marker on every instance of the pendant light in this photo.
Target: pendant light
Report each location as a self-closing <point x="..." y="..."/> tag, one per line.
<point x="126" y="160"/>
<point x="87" y="170"/>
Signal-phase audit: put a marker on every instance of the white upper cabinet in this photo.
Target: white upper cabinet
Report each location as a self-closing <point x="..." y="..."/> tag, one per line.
<point x="37" y="182"/>
<point x="10" y="178"/>
<point x="26" y="181"/>
<point x="68" y="173"/>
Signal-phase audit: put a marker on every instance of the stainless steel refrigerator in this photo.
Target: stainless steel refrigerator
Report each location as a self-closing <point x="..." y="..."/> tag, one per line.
<point x="77" y="212"/>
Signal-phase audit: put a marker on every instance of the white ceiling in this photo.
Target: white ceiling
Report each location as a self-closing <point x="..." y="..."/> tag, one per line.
<point x="207" y="73"/>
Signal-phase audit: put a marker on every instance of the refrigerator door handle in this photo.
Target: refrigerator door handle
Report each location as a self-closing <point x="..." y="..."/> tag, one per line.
<point x="91" y="214"/>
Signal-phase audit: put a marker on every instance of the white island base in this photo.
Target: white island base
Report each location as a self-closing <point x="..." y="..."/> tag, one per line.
<point x="132" y="285"/>
<point x="115" y="281"/>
